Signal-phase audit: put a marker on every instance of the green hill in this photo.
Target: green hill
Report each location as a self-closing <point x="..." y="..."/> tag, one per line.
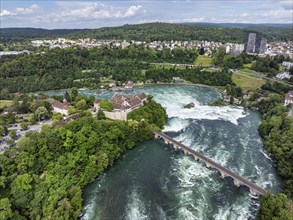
<point x="158" y="31"/>
<point x="165" y="31"/>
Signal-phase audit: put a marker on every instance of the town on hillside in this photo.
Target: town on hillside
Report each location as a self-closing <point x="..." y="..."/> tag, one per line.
<point x="252" y="45"/>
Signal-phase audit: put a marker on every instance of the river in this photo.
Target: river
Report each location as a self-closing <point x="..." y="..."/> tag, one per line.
<point x="153" y="181"/>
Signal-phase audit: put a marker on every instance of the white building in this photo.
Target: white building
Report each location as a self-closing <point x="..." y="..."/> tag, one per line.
<point x="124" y="44"/>
<point x="283" y="75"/>
<point x="287" y="64"/>
<point x="59" y="107"/>
<point x="289" y="98"/>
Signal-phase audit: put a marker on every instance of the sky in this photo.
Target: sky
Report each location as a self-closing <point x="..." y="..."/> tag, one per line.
<point x="55" y="14"/>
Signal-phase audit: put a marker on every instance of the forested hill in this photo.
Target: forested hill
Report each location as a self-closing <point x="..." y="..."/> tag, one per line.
<point x="157" y="31"/>
<point x="9" y="35"/>
<point x="165" y="31"/>
<point x="36" y="32"/>
<point x="277" y="32"/>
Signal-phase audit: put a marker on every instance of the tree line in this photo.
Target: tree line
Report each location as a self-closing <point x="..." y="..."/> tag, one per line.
<point x="61" y="68"/>
<point x="276" y="129"/>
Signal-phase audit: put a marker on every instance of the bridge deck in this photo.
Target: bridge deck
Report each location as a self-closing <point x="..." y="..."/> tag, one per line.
<point x="219" y="167"/>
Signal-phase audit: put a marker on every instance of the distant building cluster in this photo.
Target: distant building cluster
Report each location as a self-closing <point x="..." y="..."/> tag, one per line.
<point x="234" y="49"/>
<point x="208" y="46"/>
<point x="158" y="45"/>
<point x="280" y="48"/>
<point x="3" y="53"/>
<point x="254" y="44"/>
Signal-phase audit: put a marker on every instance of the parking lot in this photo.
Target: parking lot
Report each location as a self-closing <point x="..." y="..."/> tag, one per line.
<point x="20" y="133"/>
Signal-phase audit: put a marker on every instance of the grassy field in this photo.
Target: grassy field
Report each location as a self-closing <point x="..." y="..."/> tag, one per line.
<point x="246" y="81"/>
<point x="5" y="103"/>
<point x="248" y="65"/>
<point x="203" y="61"/>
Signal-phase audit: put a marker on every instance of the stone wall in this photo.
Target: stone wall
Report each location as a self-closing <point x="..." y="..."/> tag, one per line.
<point x="116" y="115"/>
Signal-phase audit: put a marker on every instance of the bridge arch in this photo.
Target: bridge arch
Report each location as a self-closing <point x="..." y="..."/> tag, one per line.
<point x="224" y="172"/>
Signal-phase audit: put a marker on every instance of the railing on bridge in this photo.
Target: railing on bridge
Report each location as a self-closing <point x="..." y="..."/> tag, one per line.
<point x="238" y="180"/>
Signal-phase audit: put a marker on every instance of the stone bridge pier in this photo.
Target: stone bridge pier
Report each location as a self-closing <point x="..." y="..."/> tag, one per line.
<point x="237" y="183"/>
<point x="208" y="165"/>
<point x="224" y="172"/>
<point x="253" y="192"/>
<point x="196" y="158"/>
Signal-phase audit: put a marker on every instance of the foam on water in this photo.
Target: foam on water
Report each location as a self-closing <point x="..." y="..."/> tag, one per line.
<point x="174" y="104"/>
<point x="196" y="187"/>
<point x="135" y="208"/>
<point x="91" y="205"/>
<point x="265" y="155"/>
<point x="162" y="214"/>
<point x="176" y="125"/>
<point x="189" y="171"/>
<point x="221" y="157"/>
<point x="191" y="175"/>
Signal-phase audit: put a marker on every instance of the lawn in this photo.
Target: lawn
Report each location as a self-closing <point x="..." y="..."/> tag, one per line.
<point x="248" y="65"/>
<point x="203" y="61"/>
<point x="5" y="103"/>
<point x="246" y="81"/>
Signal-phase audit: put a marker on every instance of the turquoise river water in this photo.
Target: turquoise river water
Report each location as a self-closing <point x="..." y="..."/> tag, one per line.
<point x="153" y="181"/>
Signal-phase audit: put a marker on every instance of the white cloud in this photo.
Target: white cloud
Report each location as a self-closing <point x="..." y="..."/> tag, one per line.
<point x="20" y="11"/>
<point x="287" y="5"/>
<point x="92" y="14"/>
<point x="132" y="10"/>
<point x="97" y="11"/>
<point x="73" y="12"/>
<point x="5" y="13"/>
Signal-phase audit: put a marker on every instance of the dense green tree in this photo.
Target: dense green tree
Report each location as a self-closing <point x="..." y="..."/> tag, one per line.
<point x="7" y="119"/>
<point x="42" y="113"/>
<point x="24" y="126"/>
<point x="201" y="51"/>
<point x="44" y="176"/>
<point x="12" y="134"/>
<point x="266" y="65"/>
<point x="21" y="190"/>
<point x="218" y="57"/>
<point x="81" y="105"/>
<point x="74" y="93"/>
<point x="100" y="114"/>
<point x="67" y="96"/>
<point x="276" y="207"/>
<point x="5" y="209"/>
<point x="234" y="91"/>
<point x="106" y="105"/>
<point x="151" y="112"/>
